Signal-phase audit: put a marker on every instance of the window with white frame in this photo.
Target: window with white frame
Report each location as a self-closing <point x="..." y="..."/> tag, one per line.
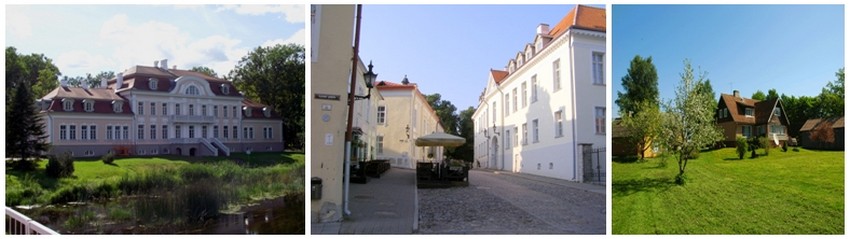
<point x="556" y="75"/>
<point x="117" y="106"/>
<point x="524" y="134"/>
<point x="379" y="144"/>
<point x="117" y="131"/>
<point x="164" y="109"/>
<point x="191" y="131"/>
<point x="177" y="109"/>
<point x="777" y="129"/>
<point x="109" y="132"/>
<point x="507" y="139"/>
<point x="598" y="68"/>
<point x="516" y="135"/>
<point x="559" y="124"/>
<point x="225" y="132"/>
<point x="192" y="90"/>
<point x="524" y="94"/>
<point x="63" y="132"/>
<point x="535" y="136"/>
<point x="224" y="111"/>
<point x="749" y="112"/>
<point x="235" y="131"/>
<point x="215" y="131"/>
<point x="84" y="132"/>
<point x="600" y="120"/>
<point x="245" y="133"/>
<point x="72" y="132"/>
<point x="67" y="104"/>
<point x="140" y="132"/>
<point x="140" y="109"/>
<point x="515" y="98"/>
<point x="494" y="112"/>
<point x="164" y="131"/>
<point x="203" y="131"/>
<point x="93" y="132"/>
<point x="153" y="131"/>
<point x="747" y="130"/>
<point x="177" y="133"/>
<point x="88" y="105"/>
<point x="225" y="89"/>
<point x="191" y="109"/>
<point x="152" y="83"/>
<point x="235" y="115"/>
<point x="153" y="108"/>
<point x="203" y="110"/>
<point x="533" y="88"/>
<point x="777" y="112"/>
<point x="251" y="133"/>
<point x="126" y="131"/>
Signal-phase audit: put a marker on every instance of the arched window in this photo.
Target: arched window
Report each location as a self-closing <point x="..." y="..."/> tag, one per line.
<point x="152" y="83"/>
<point x="67" y="104"/>
<point x="88" y="105"/>
<point x="192" y="90"/>
<point x="225" y="89"/>
<point x="117" y="106"/>
<point x="267" y="112"/>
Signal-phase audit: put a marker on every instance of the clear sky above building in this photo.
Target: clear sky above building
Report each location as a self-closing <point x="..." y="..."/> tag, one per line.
<point x="93" y="38"/>
<point x="795" y="49"/>
<point x="449" y="49"/>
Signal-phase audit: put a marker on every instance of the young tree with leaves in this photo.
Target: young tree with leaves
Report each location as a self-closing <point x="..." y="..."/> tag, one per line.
<point x="639" y="110"/>
<point x="467" y="131"/>
<point x="688" y="122"/>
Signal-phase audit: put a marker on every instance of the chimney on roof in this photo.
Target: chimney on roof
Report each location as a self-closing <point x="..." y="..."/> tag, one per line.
<point x="85" y="85"/>
<point x="736" y="94"/>
<point x="405" y="81"/>
<point x="63" y="82"/>
<point x="119" y="81"/>
<point x="103" y="82"/>
<point x="174" y="67"/>
<point x="155" y="63"/>
<point x="164" y="64"/>
<point x="543" y="28"/>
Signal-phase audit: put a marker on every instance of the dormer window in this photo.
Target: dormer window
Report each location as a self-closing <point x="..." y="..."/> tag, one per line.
<point x="117" y="106"/>
<point x="88" y="105"/>
<point x="153" y="83"/>
<point x="777" y="112"/>
<point x="68" y="104"/>
<point x="192" y="90"/>
<point x="539" y="45"/>
<point x="748" y="112"/>
<point x="247" y="111"/>
<point x="267" y="112"/>
<point x="225" y="89"/>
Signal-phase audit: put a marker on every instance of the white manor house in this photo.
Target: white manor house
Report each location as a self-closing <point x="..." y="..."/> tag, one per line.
<point x="545" y="110"/>
<point x="153" y="110"/>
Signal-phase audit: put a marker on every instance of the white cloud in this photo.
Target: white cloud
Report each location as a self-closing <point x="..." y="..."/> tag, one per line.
<point x="83" y="61"/>
<point x="144" y="43"/>
<point x="290" y="13"/>
<point x="18" y="23"/>
<point x="297" y="38"/>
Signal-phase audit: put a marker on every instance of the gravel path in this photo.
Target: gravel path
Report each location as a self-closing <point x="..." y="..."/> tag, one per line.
<point x="507" y="204"/>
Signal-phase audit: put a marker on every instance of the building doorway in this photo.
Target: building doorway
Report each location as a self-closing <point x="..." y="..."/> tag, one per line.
<point x="192" y="151"/>
<point x="179" y="151"/>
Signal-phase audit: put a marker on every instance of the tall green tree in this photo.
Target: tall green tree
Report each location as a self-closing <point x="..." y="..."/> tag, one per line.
<point x="639" y="109"/>
<point x="831" y="98"/>
<point x="274" y="76"/>
<point x="640" y="84"/>
<point x="688" y="122"/>
<point x="36" y="70"/>
<point x="771" y="94"/>
<point x="467" y="131"/>
<point x="758" y="95"/>
<point x="206" y="70"/>
<point x="25" y="136"/>
<point x="446" y="111"/>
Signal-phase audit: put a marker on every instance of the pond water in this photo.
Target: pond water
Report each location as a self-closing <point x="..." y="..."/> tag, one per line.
<point x="170" y="215"/>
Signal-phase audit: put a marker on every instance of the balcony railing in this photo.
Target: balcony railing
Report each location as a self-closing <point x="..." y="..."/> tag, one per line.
<point x="191" y="119"/>
<point x="19" y="224"/>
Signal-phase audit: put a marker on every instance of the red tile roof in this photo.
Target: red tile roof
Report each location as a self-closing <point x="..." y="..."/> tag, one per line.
<point x="762" y="110"/>
<point x="386" y="85"/>
<point x="837" y="122"/>
<point x="581" y="17"/>
<point x="102" y="98"/>
<point x="498" y="75"/>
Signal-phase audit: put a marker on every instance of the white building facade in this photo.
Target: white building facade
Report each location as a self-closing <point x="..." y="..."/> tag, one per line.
<point x="403" y="115"/>
<point x="547" y="106"/>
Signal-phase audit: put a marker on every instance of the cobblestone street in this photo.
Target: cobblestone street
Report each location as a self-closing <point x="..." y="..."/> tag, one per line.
<point x="507" y="203"/>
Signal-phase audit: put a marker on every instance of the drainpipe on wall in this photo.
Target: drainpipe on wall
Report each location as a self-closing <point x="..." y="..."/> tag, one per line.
<point x="574" y="104"/>
<point x="349" y="130"/>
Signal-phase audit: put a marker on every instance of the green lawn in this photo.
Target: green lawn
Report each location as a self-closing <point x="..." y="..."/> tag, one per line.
<point x="783" y="193"/>
<point x="94" y="177"/>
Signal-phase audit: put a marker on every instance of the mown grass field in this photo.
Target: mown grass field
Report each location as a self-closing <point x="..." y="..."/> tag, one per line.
<point x="794" y="192"/>
<point x="247" y="177"/>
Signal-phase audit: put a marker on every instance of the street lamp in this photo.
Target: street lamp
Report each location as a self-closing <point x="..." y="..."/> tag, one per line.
<point x="369" y="78"/>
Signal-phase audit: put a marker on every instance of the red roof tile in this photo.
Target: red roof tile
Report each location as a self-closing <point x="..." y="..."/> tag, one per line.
<point x="498" y="75"/>
<point x="581" y="17"/>
<point x="386" y="85"/>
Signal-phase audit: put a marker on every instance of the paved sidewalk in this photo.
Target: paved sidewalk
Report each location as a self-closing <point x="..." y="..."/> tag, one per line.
<point x="385" y="205"/>
<point x="583" y="186"/>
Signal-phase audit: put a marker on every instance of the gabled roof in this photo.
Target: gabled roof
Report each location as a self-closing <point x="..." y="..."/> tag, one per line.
<point x="386" y="85"/>
<point x="498" y="76"/>
<point x="581" y="17"/>
<point x="837" y="122"/>
<point x="762" y="110"/>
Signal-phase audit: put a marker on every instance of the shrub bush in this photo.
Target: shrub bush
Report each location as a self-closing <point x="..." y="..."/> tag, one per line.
<point x="765" y="144"/>
<point x="108" y="158"/>
<point x="742" y="147"/>
<point x="60" y="166"/>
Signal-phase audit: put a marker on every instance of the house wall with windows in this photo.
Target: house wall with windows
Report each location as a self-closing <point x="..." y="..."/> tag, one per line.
<point x="533" y="115"/>
<point x="153" y="110"/>
<point x="403" y="116"/>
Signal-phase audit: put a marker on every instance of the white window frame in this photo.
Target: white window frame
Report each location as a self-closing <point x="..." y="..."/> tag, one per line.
<point x="556" y="75"/>
<point x="533" y="88"/>
<point x="535" y="131"/>
<point x="524" y="133"/>
<point x="559" y="124"/>
<point x="598" y="68"/>
<point x="599" y="113"/>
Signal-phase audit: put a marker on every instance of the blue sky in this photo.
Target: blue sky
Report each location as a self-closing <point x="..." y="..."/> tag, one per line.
<point x="93" y="38"/>
<point x="449" y="49"/>
<point x="795" y="49"/>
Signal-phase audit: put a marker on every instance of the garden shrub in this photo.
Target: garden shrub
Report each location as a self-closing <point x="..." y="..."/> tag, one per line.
<point x="60" y="166"/>
<point x="742" y="147"/>
<point x="765" y="144"/>
<point x="108" y="158"/>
